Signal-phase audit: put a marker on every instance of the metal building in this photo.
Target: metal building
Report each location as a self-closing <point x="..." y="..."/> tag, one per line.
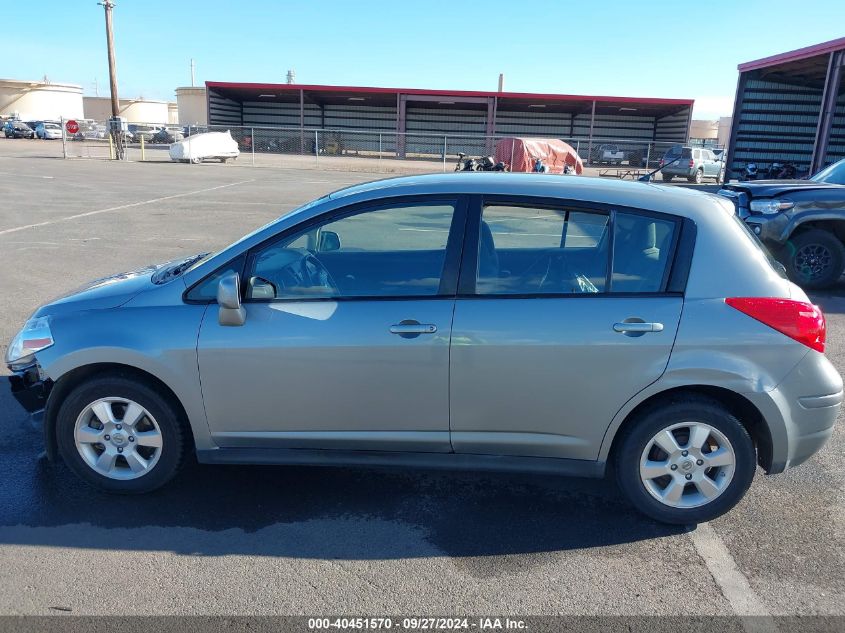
<point x="790" y="107"/>
<point x="414" y="122"/>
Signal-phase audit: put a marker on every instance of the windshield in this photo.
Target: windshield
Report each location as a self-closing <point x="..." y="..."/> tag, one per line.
<point x="834" y="174"/>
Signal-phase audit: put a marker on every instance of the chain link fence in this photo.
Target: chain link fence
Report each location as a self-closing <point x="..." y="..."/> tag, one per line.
<point x="352" y="149"/>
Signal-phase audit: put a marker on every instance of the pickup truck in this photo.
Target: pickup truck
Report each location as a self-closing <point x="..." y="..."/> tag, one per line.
<point x="610" y="155"/>
<point x="802" y="222"/>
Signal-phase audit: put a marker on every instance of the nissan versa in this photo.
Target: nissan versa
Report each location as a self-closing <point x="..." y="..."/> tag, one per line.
<point x="488" y="321"/>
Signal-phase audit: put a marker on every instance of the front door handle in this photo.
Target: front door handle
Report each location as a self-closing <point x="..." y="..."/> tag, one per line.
<point x="411" y="329"/>
<point x="637" y="327"/>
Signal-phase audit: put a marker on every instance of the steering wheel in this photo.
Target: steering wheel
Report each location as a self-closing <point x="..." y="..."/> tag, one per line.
<point x="296" y="273"/>
<point x="314" y="274"/>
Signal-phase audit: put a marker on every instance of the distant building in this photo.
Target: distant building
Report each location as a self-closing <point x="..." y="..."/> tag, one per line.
<point x="791" y="107"/>
<point x="421" y="122"/>
<point x="135" y="110"/>
<point x="40" y="100"/>
<point x="710" y="133"/>
<point x="192" y="106"/>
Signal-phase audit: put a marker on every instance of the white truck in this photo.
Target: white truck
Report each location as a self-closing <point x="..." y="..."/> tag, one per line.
<point x="610" y="155"/>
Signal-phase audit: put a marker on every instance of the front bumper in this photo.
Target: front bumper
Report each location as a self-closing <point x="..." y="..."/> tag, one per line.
<point x="30" y="389"/>
<point x="773" y="230"/>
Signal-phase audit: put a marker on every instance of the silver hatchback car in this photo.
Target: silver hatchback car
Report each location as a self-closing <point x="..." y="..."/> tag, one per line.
<point x="485" y="321"/>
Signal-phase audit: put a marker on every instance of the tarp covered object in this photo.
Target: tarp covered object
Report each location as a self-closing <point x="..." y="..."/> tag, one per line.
<point x="208" y="145"/>
<point x="520" y="154"/>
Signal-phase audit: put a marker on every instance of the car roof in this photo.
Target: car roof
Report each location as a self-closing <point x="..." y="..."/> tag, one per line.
<point x="665" y="198"/>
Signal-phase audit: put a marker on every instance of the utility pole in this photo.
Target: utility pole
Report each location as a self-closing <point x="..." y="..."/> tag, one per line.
<point x="193" y="69"/>
<point x="108" y="5"/>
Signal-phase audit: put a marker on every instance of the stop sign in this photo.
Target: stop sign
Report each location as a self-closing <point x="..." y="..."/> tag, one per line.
<point x="72" y="127"/>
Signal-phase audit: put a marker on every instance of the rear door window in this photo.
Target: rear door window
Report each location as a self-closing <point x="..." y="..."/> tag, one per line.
<point x="534" y="250"/>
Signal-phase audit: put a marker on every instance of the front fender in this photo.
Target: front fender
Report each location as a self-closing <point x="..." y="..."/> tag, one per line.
<point x="805" y="212"/>
<point x="160" y="341"/>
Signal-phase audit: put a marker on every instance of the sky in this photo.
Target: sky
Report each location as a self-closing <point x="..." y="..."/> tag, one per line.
<point x="611" y="47"/>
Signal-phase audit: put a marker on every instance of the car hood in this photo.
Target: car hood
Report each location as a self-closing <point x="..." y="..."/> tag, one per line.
<point x="104" y="293"/>
<point x="771" y="188"/>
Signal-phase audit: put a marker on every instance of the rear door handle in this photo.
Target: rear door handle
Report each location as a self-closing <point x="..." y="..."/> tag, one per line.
<point x="637" y="327"/>
<point x="413" y="328"/>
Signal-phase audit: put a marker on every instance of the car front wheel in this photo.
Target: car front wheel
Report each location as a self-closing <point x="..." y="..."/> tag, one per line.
<point x="685" y="461"/>
<point x="120" y="435"/>
<point x="815" y="259"/>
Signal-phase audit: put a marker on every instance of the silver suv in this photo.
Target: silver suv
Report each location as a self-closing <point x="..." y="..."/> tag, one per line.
<point x="485" y="321"/>
<point x="693" y="163"/>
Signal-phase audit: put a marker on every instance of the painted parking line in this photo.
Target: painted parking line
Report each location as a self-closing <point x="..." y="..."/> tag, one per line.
<point x="733" y="584"/>
<point x="121" y="207"/>
<point x="14" y="175"/>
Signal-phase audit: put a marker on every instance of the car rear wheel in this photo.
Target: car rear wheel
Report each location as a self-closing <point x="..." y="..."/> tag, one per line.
<point x="196" y="161"/>
<point x="815" y="259"/>
<point x="120" y="435"/>
<point x="685" y="461"/>
<point x="697" y="177"/>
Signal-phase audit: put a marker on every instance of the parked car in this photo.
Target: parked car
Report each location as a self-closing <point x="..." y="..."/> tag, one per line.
<point x="33" y="125"/>
<point x="168" y="135"/>
<point x="145" y="132"/>
<point x="684" y="365"/>
<point x="693" y="163"/>
<point x="609" y="154"/>
<point x="18" y="129"/>
<point x="48" y="130"/>
<point x="199" y="147"/>
<point x="801" y="221"/>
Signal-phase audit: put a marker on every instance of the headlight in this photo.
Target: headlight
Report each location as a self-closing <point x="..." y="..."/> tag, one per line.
<point x="34" y="337"/>
<point x="771" y="206"/>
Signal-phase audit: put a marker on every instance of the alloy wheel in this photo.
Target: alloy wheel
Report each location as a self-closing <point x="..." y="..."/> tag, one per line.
<point x="813" y="261"/>
<point x="118" y="438"/>
<point x="687" y="465"/>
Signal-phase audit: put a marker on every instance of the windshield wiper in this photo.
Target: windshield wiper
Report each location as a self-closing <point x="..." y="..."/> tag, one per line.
<point x="174" y="271"/>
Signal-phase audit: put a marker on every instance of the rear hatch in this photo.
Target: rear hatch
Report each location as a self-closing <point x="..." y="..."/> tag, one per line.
<point x="681" y="157"/>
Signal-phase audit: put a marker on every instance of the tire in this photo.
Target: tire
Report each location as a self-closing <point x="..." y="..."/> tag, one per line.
<point x="814" y="259"/>
<point x="667" y="177"/>
<point x="722" y="429"/>
<point x="196" y="161"/>
<point x="697" y="177"/>
<point x="159" y="415"/>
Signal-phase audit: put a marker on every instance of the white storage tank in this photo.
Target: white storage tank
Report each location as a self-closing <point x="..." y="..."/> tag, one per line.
<point x="193" y="109"/>
<point x="134" y="110"/>
<point x="40" y="100"/>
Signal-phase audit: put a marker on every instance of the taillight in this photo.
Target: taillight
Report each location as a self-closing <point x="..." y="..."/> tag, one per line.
<point x="801" y="321"/>
<point x="691" y="163"/>
<point x="662" y="162"/>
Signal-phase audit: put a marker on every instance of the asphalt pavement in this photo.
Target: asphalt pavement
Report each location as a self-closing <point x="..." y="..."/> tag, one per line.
<point x="297" y="540"/>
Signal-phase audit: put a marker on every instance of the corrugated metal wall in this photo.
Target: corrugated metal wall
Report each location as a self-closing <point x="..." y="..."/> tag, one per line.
<point x="836" y="144"/>
<point x="366" y="128"/>
<point x="777" y="122"/>
<point x="543" y="124"/>
<point x="271" y="114"/>
<point x="222" y="110"/>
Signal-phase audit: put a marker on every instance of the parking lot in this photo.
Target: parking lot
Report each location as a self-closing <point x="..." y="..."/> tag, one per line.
<point x="295" y="540"/>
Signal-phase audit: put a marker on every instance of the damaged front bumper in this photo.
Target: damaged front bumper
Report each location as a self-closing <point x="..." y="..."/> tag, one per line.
<point x="30" y="388"/>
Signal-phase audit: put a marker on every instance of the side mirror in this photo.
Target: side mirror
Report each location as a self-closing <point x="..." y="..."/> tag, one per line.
<point x="231" y="312"/>
<point x="329" y="241"/>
